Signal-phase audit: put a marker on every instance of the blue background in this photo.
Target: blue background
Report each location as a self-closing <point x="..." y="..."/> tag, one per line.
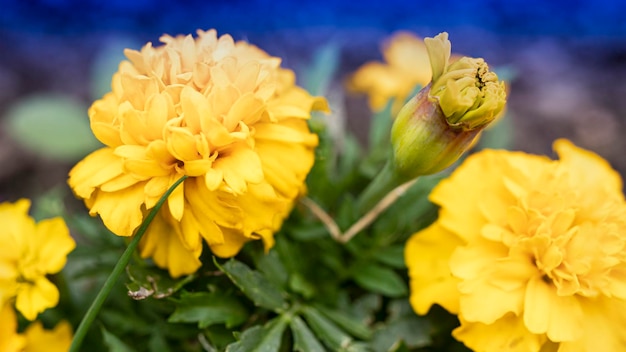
<point x="515" y="17"/>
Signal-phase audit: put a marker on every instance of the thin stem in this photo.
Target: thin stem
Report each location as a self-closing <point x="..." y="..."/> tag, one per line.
<point x="91" y="314"/>
<point x="327" y="220"/>
<point x="364" y="221"/>
<point x="373" y="214"/>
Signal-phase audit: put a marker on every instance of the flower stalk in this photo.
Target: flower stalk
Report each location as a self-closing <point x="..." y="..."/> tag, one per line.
<point x="96" y="305"/>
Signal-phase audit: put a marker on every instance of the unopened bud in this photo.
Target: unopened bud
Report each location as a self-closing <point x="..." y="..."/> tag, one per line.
<point x="442" y="121"/>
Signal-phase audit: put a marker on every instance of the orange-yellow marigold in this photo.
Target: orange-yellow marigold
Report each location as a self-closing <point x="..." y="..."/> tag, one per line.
<point x="529" y="252"/>
<point x="30" y="251"/>
<point x="223" y="113"/>
<point x="406" y="65"/>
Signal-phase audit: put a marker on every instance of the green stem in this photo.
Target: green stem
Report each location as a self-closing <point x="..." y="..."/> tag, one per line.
<point x="91" y="314"/>
<point x="383" y="183"/>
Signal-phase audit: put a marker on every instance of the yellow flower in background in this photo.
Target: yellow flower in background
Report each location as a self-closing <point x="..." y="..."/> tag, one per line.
<point x="529" y="252"/>
<point x="10" y="340"/>
<point x="406" y="66"/>
<point x="38" y="339"/>
<point x="223" y="113"/>
<point x="28" y="252"/>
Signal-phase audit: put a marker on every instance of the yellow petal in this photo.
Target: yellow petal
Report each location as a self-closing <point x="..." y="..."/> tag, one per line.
<point x="507" y="334"/>
<point x="58" y="339"/>
<point x="427" y="255"/>
<point x="162" y="244"/>
<point x="54" y="243"/>
<point x="120" y="211"/>
<point x="176" y="201"/>
<point x="561" y="318"/>
<point x="233" y="241"/>
<point x="576" y="158"/>
<point x="10" y="341"/>
<point x="34" y="298"/>
<point x="239" y="166"/>
<point x="97" y="168"/>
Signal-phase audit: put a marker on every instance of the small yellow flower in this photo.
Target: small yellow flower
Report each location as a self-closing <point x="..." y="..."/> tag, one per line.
<point x="58" y="339"/>
<point x="529" y="252"/>
<point x="10" y="340"/>
<point x="407" y="66"/>
<point x="223" y="113"/>
<point x="445" y="118"/>
<point x="28" y="252"/>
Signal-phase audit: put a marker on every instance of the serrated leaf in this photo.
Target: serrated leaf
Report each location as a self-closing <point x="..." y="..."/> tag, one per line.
<point x="114" y="343"/>
<point x="380" y="279"/>
<point x="326" y="330"/>
<point x="254" y="285"/>
<point x="53" y="126"/>
<point x="349" y="324"/>
<point x="304" y="340"/>
<point x="151" y="281"/>
<point x="208" y="308"/>
<point x="265" y="338"/>
<point x="392" y="256"/>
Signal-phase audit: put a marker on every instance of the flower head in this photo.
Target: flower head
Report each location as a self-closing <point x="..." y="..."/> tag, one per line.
<point x="406" y="66"/>
<point x="443" y="120"/>
<point x="223" y="113"/>
<point x="529" y="252"/>
<point x="28" y="252"/>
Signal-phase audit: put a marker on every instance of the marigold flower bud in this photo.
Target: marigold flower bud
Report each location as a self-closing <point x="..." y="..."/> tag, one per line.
<point x="443" y="120"/>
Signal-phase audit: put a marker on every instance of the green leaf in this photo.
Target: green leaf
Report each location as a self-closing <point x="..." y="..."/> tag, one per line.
<point x="254" y="285"/>
<point x="379" y="279"/>
<point x="317" y="76"/>
<point x="380" y="128"/>
<point x="53" y="126"/>
<point x="261" y="339"/>
<point x="219" y="337"/>
<point x="392" y="256"/>
<point x="304" y="340"/>
<point x="402" y="325"/>
<point x="326" y="330"/>
<point x="158" y="343"/>
<point x="123" y="321"/>
<point x="412" y="330"/>
<point x="208" y="308"/>
<point x="349" y="324"/>
<point x="151" y="281"/>
<point x="272" y="267"/>
<point x="114" y="343"/>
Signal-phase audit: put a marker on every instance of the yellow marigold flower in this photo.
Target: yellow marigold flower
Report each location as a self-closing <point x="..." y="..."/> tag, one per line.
<point x="407" y="65"/>
<point x="529" y="252"/>
<point x="28" y="252"/>
<point x="223" y="113"/>
<point x="10" y="340"/>
<point x="58" y="339"/>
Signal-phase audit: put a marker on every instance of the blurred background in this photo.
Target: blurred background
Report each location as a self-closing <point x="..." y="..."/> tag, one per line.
<point x="566" y="60"/>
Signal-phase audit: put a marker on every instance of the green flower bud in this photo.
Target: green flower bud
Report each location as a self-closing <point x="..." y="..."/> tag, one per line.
<point x="444" y="119"/>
